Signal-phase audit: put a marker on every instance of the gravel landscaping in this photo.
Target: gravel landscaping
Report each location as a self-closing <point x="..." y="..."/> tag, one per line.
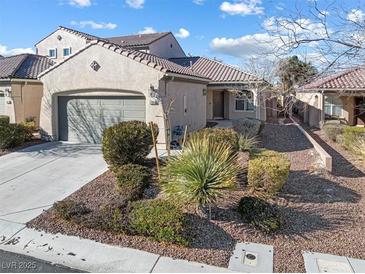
<point x="323" y="212"/>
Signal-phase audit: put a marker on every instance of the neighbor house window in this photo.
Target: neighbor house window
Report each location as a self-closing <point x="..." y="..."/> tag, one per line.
<point x="66" y="52"/>
<point x="333" y="106"/>
<point x="244" y="101"/>
<point x="52" y="53"/>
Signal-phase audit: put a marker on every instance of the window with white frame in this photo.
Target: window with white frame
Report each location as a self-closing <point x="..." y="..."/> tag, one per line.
<point x="333" y="106"/>
<point x="52" y="53"/>
<point x="66" y="52"/>
<point x="244" y="101"/>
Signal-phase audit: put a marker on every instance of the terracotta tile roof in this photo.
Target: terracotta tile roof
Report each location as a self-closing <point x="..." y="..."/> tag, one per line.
<point x="214" y="70"/>
<point x="348" y="79"/>
<point x="138" y="40"/>
<point x="150" y="60"/>
<point x="24" y="66"/>
<point x="80" y="33"/>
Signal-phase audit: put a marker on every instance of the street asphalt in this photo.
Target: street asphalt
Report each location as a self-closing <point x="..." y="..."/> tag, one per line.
<point x="13" y="263"/>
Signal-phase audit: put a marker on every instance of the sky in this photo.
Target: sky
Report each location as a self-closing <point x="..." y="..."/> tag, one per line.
<point x="230" y="30"/>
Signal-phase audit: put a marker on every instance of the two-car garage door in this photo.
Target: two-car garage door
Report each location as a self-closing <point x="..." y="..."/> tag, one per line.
<point x="83" y="119"/>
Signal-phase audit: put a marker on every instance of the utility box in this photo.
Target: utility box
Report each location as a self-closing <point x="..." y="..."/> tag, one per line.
<point x="252" y="258"/>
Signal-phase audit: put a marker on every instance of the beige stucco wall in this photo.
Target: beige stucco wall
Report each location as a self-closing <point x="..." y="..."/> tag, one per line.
<point x="195" y="117"/>
<point x="162" y="47"/>
<point x="118" y="75"/>
<point x="25" y="100"/>
<point x="52" y="42"/>
<point x="312" y="104"/>
<point x="348" y="109"/>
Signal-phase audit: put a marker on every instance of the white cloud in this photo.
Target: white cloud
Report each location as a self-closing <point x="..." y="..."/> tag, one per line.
<point x="356" y="15"/>
<point x="246" y="46"/>
<point x="183" y="33"/>
<point x="242" y="7"/>
<point x="136" y="4"/>
<point x="80" y="3"/>
<point x="147" y="30"/>
<point x="94" y="25"/>
<point x="198" y="2"/>
<point x="7" y="52"/>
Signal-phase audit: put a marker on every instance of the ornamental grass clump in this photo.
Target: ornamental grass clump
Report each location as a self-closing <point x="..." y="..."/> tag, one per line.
<point x="247" y="143"/>
<point x="200" y="173"/>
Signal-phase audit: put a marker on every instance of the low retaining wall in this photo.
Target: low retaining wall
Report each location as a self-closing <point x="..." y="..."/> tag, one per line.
<point x="325" y="157"/>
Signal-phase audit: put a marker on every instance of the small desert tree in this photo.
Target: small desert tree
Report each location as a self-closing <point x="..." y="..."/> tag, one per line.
<point x="200" y="173"/>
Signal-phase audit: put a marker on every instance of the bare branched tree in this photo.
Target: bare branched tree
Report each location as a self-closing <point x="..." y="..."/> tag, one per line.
<point x="329" y="32"/>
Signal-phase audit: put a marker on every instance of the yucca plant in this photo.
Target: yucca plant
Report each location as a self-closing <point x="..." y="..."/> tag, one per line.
<point x="200" y="172"/>
<point x="247" y="142"/>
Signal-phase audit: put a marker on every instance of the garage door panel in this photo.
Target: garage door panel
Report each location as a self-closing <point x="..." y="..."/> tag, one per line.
<point x="2" y="104"/>
<point x="134" y="114"/>
<point x="83" y="119"/>
<point x="134" y="102"/>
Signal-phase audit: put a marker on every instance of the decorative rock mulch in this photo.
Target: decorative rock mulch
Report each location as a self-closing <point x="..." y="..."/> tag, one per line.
<point x="323" y="213"/>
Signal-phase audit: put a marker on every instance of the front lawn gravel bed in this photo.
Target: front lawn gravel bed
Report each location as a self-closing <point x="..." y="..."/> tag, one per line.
<point x="323" y="212"/>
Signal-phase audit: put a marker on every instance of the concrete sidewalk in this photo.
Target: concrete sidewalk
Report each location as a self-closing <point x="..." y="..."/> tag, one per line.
<point x="91" y="256"/>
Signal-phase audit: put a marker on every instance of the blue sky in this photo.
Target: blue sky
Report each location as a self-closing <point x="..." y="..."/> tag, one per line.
<point x="226" y="29"/>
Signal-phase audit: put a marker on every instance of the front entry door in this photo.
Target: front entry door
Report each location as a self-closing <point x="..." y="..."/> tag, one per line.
<point x="218" y="105"/>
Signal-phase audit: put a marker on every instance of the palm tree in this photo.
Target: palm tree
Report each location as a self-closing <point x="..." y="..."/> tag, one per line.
<point x="200" y="172"/>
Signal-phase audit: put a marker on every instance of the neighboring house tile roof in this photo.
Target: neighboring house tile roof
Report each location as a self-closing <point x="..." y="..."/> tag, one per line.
<point x="348" y="79"/>
<point x="214" y="70"/>
<point x="153" y="61"/>
<point x="1" y="56"/>
<point x="23" y="66"/>
<point x="80" y="33"/>
<point x="138" y="40"/>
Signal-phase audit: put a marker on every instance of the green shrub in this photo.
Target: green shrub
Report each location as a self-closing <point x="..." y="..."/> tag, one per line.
<point x="107" y="218"/>
<point x="13" y="135"/>
<point x="350" y="134"/>
<point x="219" y="135"/>
<point x="332" y="131"/>
<point x="127" y="142"/>
<point x="159" y="219"/>
<point x="267" y="172"/>
<point x="248" y="127"/>
<point x="200" y="173"/>
<point x="246" y="143"/>
<point x="4" y="120"/>
<point x="259" y="214"/>
<point x="70" y="210"/>
<point x="132" y="180"/>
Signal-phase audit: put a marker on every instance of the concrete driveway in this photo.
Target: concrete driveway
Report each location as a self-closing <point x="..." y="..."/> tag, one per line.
<point x="33" y="179"/>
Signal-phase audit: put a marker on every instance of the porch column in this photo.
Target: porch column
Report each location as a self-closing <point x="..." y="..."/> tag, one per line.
<point x="321" y="105"/>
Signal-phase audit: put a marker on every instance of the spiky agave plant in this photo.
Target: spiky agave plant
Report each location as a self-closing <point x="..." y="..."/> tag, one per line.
<point x="200" y="172"/>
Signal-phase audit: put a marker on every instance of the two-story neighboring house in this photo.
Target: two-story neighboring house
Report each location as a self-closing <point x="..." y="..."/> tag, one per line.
<point x="61" y="43"/>
<point x="98" y="82"/>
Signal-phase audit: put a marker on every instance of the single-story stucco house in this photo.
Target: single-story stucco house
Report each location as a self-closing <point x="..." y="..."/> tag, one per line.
<point x="20" y="90"/>
<point x="97" y="82"/>
<point x="339" y="96"/>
